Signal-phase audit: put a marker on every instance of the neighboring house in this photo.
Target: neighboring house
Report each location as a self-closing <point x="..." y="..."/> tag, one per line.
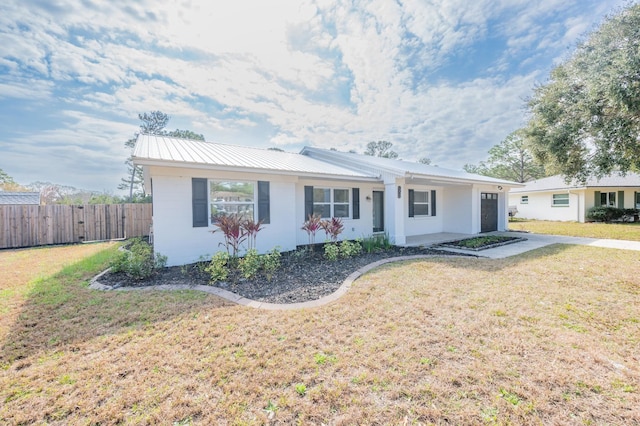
<point x="192" y="182"/>
<point x="19" y="198"/>
<point x="553" y="199"/>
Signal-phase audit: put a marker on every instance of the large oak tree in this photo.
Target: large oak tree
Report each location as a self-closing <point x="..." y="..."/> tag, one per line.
<point x="586" y="119"/>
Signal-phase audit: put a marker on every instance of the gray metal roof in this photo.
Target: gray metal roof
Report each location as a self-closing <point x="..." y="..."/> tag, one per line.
<point x="163" y="150"/>
<point x="19" y="198"/>
<point x="401" y="167"/>
<point x="557" y="182"/>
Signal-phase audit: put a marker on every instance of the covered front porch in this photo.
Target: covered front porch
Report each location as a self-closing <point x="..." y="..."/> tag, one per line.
<point x="437" y="238"/>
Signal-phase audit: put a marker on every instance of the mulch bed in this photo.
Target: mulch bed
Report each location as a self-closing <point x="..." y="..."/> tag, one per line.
<point x="299" y="279"/>
<point x="499" y="241"/>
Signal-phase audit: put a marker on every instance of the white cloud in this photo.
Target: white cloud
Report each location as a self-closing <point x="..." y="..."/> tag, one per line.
<point x="327" y="73"/>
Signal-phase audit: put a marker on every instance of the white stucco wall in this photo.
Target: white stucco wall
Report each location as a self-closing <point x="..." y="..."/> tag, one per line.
<point x="353" y="228"/>
<point x="420" y="225"/>
<point x="540" y="206"/>
<point x="629" y="193"/>
<point x="458" y="206"/>
<point x="174" y="234"/>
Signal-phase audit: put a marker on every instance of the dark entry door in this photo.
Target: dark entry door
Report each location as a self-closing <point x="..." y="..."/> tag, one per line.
<point x="378" y="211"/>
<point x="488" y="212"/>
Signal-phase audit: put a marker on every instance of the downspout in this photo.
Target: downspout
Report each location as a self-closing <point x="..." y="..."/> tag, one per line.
<point x="577" y="205"/>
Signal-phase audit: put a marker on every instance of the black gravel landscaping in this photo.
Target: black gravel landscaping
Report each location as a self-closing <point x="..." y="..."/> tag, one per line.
<point x="301" y="277"/>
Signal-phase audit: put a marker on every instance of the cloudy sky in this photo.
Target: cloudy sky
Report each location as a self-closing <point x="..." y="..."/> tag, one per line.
<point x="444" y="79"/>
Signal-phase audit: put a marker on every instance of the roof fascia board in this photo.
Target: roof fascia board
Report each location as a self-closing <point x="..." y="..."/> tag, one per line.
<point x="161" y="163"/>
<point x="397" y="172"/>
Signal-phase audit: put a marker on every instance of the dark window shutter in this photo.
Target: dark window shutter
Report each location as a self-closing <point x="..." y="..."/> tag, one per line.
<point x="264" y="208"/>
<point x="308" y="202"/>
<point x="621" y="199"/>
<point x="433" y="202"/>
<point x="356" y="202"/>
<point x="411" y="201"/>
<point x="596" y="201"/>
<point x="199" y="201"/>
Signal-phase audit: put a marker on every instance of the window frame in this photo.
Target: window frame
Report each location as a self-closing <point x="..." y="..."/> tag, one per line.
<point x="524" y="199"/>
<point x="609" y="201"/>
<point x="555" y="198"/>
<point x="332" y="203"/>
<point x="253" y="203"/>
<point x="426" y="203"/>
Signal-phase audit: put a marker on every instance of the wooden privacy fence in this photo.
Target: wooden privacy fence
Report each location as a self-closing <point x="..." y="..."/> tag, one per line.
<point x="29" y="225"/>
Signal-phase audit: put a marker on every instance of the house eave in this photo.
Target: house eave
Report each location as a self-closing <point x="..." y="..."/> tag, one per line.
<point x="225" y="168"/>
<point x="461" y="181"/>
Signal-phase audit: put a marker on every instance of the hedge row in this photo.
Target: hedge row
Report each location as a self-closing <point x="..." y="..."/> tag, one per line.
<point x="610" y="214"/>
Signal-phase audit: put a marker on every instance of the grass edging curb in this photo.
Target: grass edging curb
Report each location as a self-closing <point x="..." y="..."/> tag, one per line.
<point x="230" y="296"/>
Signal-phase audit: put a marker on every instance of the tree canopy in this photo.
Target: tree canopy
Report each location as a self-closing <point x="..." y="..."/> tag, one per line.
<point x="509" y="160"/>
<point x="153" y="123"/>
<point x="5" y="178"/>
<point x="8" y="184"/>
<point x="586" y="119"/>
<point x="380" y="149"/>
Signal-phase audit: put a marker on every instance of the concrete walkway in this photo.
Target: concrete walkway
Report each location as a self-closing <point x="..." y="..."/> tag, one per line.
<point x="533" y="241"/>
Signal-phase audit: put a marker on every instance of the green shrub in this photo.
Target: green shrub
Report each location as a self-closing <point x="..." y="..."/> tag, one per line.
<point x="629" y="214"/>
<point x="138" y="260"/>
<point x="331" y="251"/>
<point x="271" y="262"/>
<point x="218" y="268"/>
<point x="604" y="214"/>
<point x="350" y="249"/>
<point x="250" y="264"/>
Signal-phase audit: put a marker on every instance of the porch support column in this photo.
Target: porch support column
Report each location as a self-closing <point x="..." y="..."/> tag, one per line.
<point x="475" y="208"/>
<point x="396" y="206"/>
<point x="503" y="210"/>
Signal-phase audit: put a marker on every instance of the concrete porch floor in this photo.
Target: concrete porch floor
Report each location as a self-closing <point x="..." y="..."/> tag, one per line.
<point x="431" y="239"/>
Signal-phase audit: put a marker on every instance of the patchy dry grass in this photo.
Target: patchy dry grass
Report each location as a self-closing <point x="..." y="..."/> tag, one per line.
<point x="549" y="337"/>
<point x="615" y="231"/>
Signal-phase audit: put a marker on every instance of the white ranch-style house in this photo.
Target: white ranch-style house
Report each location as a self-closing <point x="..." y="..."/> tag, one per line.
<point x="552" y="198"/>
<point x="192" y="182"/>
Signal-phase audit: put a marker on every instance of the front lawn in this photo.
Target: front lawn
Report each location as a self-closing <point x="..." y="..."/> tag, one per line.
<point x="548" y="337"/>
<point x="616" y="231"/>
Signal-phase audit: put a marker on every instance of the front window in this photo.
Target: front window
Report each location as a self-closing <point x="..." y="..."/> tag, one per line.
<point x="421" y="203"/>
<point x="637" y="200"/>
<point x="231" y="197"/>
<point x="524" y="199"/>
<point x="331" y="202"/>
<point x="560" y="200"/>
<point x="608" y="199"/>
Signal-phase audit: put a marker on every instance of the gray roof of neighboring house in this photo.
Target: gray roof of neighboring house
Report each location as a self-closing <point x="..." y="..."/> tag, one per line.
<point x="164" y="150"/>
<point x="19" y="198"/>
<point x="401" y="167"/>
<point x="616" y="180"/>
